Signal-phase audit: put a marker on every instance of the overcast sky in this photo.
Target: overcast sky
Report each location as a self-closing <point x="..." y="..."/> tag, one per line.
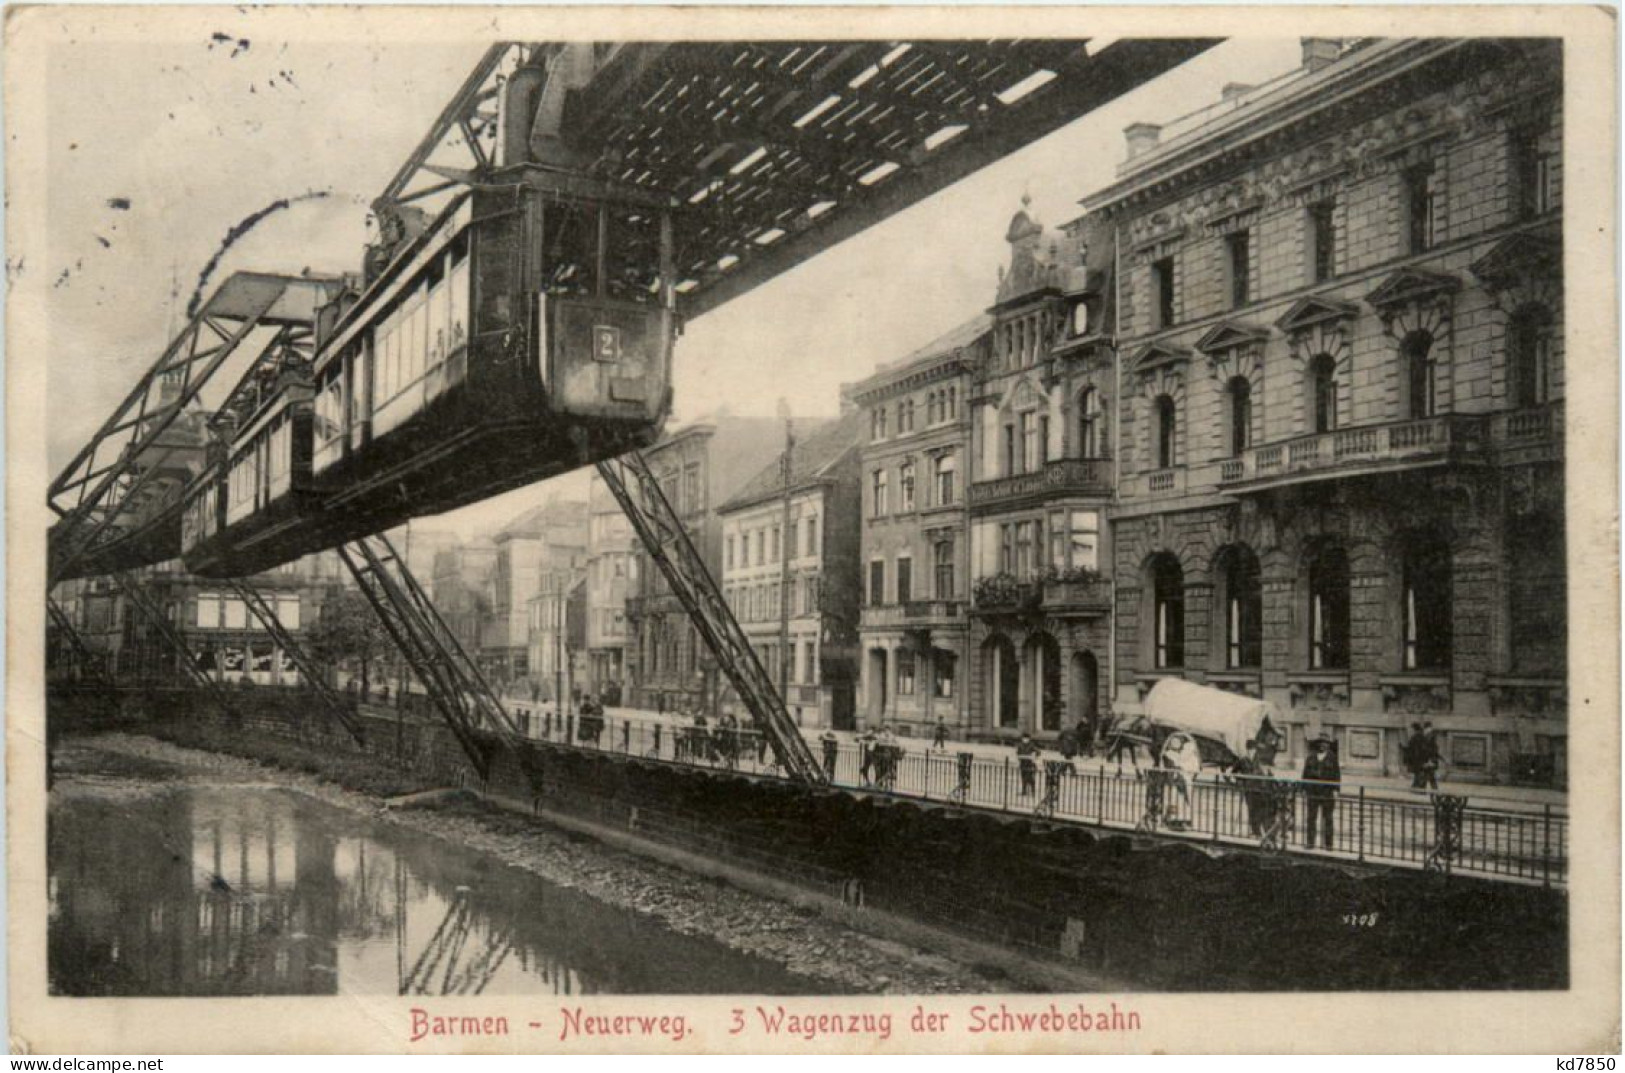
<point x="196" y="134"/>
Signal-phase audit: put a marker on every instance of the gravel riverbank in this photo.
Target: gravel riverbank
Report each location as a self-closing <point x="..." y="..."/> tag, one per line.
<point x="798" y="939"/>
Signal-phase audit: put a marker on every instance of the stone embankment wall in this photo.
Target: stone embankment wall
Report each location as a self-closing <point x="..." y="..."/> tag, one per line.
<point x="1092" y="904"/>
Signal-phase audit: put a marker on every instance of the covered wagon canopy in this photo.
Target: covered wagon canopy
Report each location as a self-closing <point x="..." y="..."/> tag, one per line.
<point x="1211" y="713"/>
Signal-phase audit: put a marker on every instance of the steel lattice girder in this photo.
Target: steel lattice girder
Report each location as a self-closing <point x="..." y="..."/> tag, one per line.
<point x="110" y="473"/>
<point x="663" y="535"/>
<point x="453" y="681"/>
<point x="288" y="643"/>
<point x="136" y="593"/>
<point x="776" y="150"/>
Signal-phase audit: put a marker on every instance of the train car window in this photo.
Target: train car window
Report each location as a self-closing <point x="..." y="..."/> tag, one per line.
<point x="632" y="255"/>
<point x="435" y="316"/>
<point x="329" y="422"/>
<point x="359" y="362"/>
<point x="570" y="248"/>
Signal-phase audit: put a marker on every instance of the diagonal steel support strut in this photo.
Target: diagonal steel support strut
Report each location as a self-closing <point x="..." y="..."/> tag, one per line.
<point x="452" y="680"/>
<point x="313" y="674"/>
<point x="662" y="533"/>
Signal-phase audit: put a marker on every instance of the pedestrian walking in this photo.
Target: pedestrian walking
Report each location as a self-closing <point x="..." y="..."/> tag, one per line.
<point x="1027" y="757"/>
<point x="1255" y="769"/>
<point x="1322" y="777"/>
<point x="1411" y="755"/>
<point x="866" y="755"/>
<point x="939" y="738"/>
<point x="1182" y="760"/>
<point x="832" y="747"/>
<point x="1068" y="743"/>
<point x="1430" y="757"/>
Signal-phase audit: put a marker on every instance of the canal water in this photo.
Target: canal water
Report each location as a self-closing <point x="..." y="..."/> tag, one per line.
<point x="196" y="890"/>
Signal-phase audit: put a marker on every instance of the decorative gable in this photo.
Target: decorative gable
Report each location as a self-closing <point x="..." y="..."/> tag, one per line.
<point x="1412" y="300"/>
<point x="1411" y="285"/>
<point x="1228" y="335"/>
<point x="1315" y="326"/>
<point x="1308" y="312"/>
<point x="1523" y="269"/>
<point x="1156" y="355"/>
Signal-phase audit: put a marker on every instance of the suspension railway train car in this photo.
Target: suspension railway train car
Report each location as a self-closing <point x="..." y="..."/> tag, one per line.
<point x="526" y="331"/>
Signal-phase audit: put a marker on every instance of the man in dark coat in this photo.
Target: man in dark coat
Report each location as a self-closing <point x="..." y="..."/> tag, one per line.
<point x="1027" y="757"/>
<point x="1322" y="777"/>
<point x="1411" y="754"/>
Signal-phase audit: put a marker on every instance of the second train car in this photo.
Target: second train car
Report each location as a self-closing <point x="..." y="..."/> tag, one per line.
<point x="527" y="331"/>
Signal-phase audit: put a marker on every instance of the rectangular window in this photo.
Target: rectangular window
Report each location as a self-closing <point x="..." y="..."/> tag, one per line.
<point x="812" y="535"/>
<point x="905" y="487"/>
<point x="728" y="561"/>
<point x="944" y="568"/>
<point x="1238" y="260"/>
<point x="693" y="491"/>
<point x="773" y="546"/>
<point x="905" y="579"/>
<point x="1422" y="199"/>
<point x="1162" y="294"/>
<point x="945" y="480"/>
<point x="1085" y="540"/>
<point x="877" y="493"/>
<point x="943" y="670"/>
<point x="761" y="547"/>
<point x="208" y="611"/>
<point x="877" y="582"/>
<point x="1534" y="173"/>
<point x="1322" y="241"/>
<point x="905" y="672"/>
<point x="809" y="664"/>
<point x="794" y="536"/>
<point x="1007" y="548"/>
<point x="1009" y="450"/>
<point x="287" y="611"/>
<point x="1024" y="549"/>
<point x="235" y="616"/>
<point x="1029" y="442"/>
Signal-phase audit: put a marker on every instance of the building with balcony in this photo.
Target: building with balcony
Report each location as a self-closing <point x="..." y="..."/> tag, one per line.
<point x="668" y="667"/>
<point x="611" y="574"/>
<point x="790" y="571"/>
<point x="1340" y="449"/>
<point x="915" y="436"/>
<point x="1041" y="479"/>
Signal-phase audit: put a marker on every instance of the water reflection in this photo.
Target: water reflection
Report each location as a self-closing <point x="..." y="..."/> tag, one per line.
<point x="214" y="891"/>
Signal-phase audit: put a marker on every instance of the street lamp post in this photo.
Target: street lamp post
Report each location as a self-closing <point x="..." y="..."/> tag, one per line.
<point x="784" y="563"/>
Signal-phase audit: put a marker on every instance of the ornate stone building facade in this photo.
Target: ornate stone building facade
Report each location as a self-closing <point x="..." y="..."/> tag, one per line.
<point x="916" y="555"/>
<point x="1040" y="482"/>
<point x="1341" y="453"/>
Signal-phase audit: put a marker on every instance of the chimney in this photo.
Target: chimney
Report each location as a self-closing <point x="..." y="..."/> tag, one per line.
<point x="1319" y="52"/>
<point x="1232" y="90"/>
<point x="1141" y="137"/>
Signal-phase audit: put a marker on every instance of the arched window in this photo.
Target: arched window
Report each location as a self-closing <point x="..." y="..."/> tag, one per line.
<point x="1167" y="430"/>
<point x="1323" y="393"/>
<point x="1168" y="612"/>
<point x="1091" y="425"/>
<point x="1426" y="610"/>
<point x="1243" y="609"/>
<point x="1329" y="609"/>
<point x="1529" y="357"/>
<point x="1240" y="396"/>
<point x="1416" y="354"/>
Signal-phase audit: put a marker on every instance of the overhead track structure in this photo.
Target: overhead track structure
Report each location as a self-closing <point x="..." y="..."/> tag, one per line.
<point x="450" y="678"/>
<point x="774" y="150"/>
<point x="118" y="501"/>
<point x="664" y="537"/>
